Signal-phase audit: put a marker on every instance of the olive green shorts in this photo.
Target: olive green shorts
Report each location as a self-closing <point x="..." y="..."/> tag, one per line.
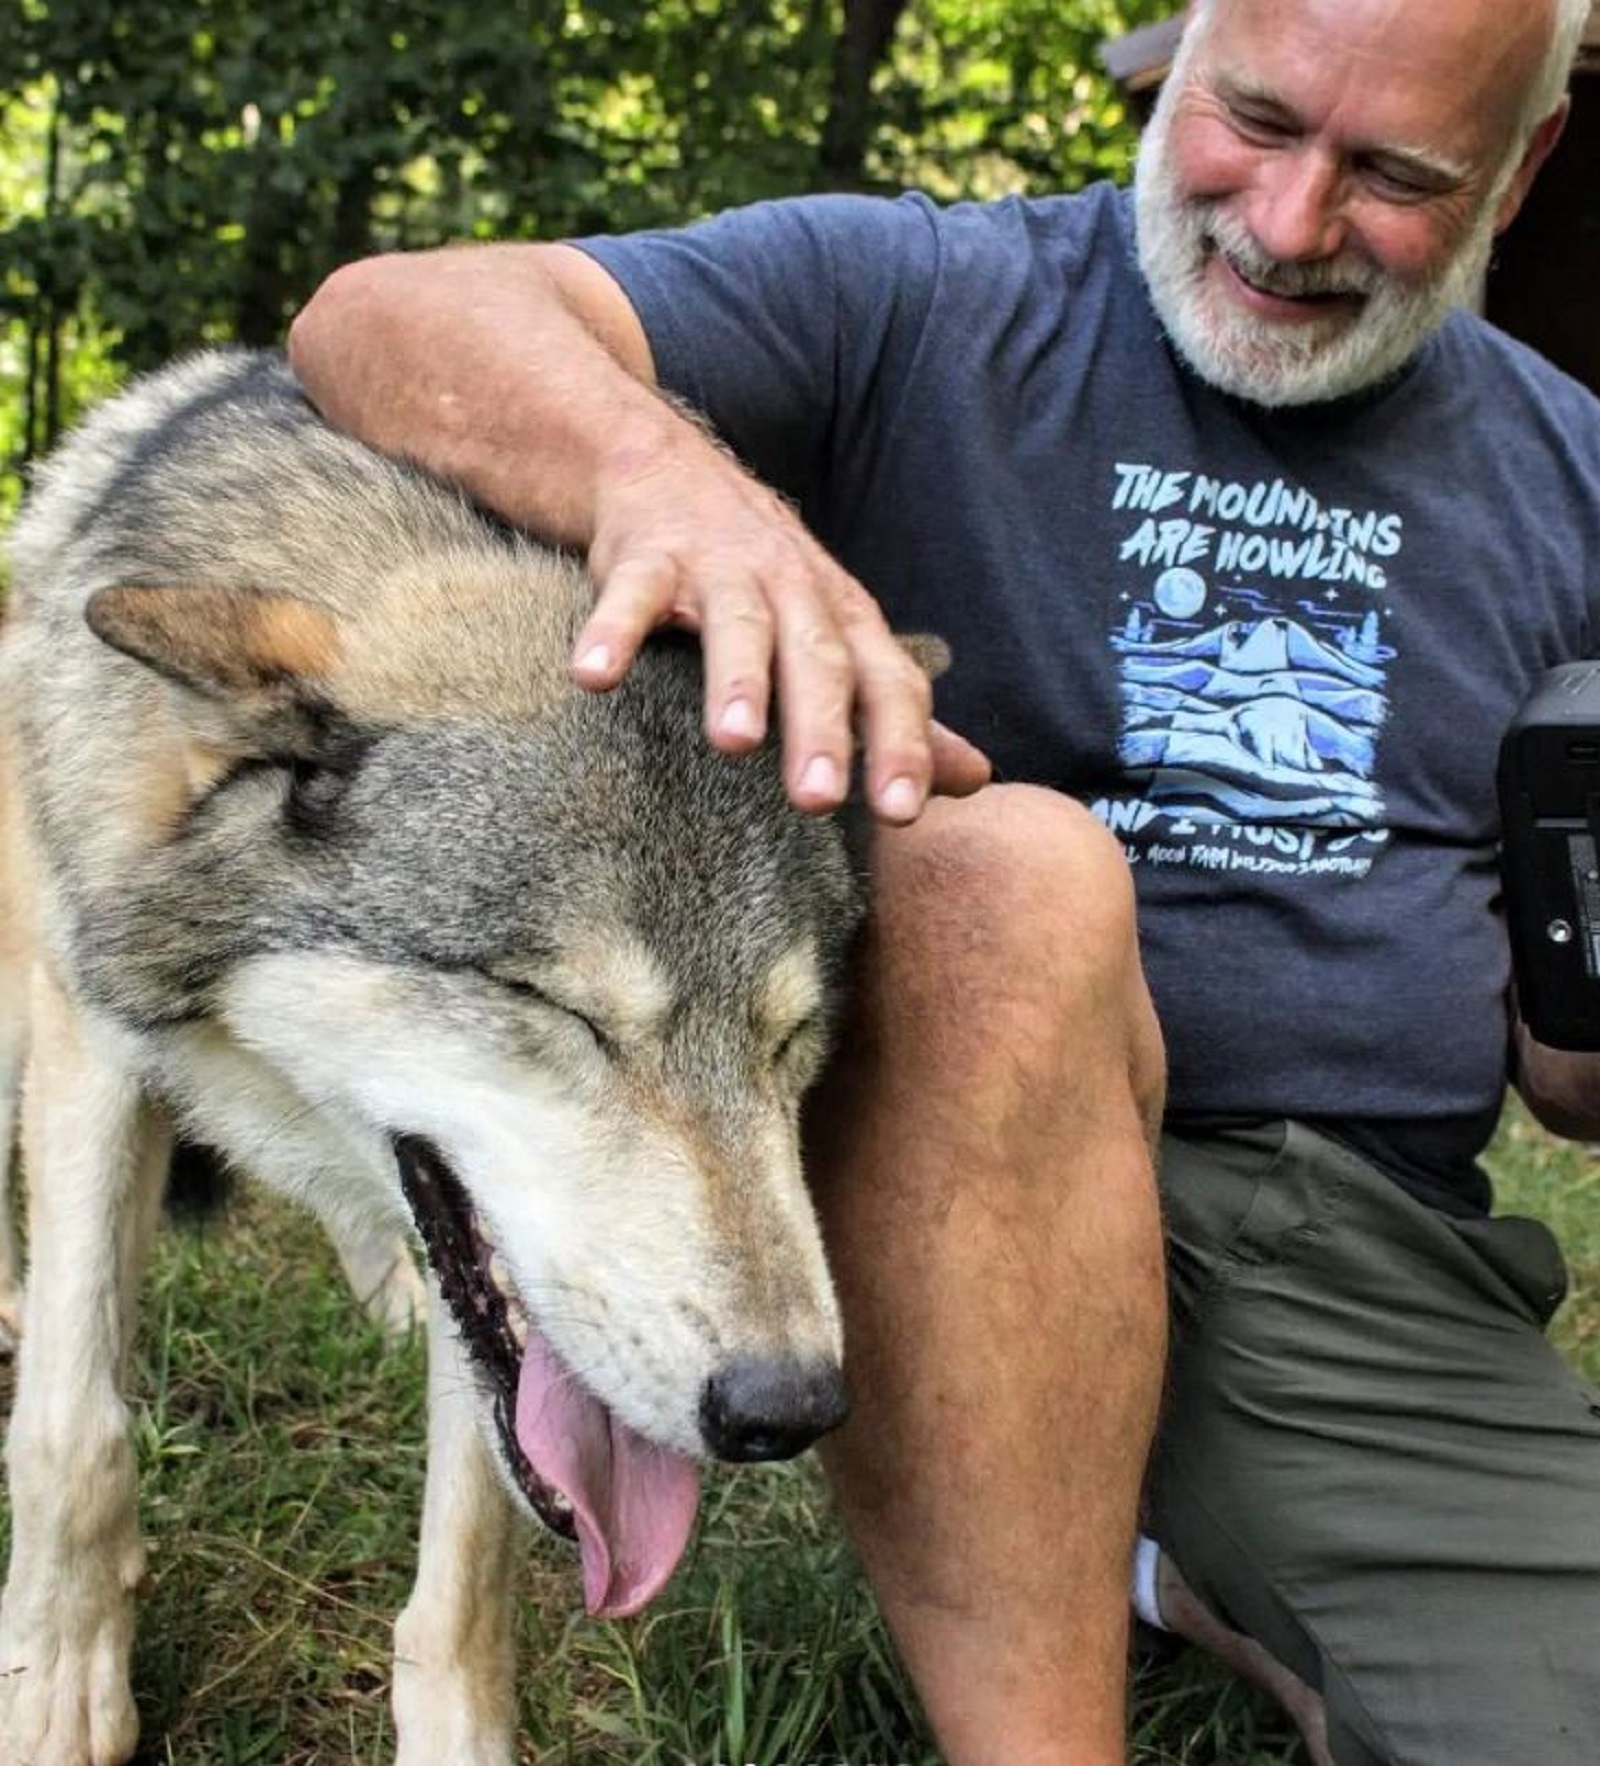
<point x="1372" y="1461"/>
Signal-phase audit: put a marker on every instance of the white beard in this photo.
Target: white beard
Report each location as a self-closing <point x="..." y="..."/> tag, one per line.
<point x="1303" y="363"/>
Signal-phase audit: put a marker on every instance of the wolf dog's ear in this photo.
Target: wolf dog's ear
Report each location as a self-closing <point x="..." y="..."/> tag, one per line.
<point x="931" y="654"/>
<point x="218" y="642"/>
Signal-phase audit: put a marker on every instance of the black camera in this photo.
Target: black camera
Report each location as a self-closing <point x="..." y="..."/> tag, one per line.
<point x="1549" y="784"/>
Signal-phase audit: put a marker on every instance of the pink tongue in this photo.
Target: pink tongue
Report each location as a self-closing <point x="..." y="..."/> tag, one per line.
<point x="634" y="1502"/>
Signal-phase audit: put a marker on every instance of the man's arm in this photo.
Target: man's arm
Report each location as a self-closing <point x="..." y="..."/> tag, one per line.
<point x="1561" y="1088"/>
<point x="522" y="372"/>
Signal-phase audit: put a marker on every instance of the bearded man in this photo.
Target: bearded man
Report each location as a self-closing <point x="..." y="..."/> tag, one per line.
<point x="1248" y="541"/>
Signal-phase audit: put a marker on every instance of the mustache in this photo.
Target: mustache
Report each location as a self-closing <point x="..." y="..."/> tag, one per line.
<point x="1327" y="276"/>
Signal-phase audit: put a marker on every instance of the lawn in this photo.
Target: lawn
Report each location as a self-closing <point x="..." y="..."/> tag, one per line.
<point x="280" y="1441"/>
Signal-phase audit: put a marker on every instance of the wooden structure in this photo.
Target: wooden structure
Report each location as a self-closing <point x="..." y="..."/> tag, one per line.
<point x="1544" y="285"/>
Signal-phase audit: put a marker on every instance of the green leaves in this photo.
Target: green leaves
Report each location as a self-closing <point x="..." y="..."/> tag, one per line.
<point x="173" y="171"/>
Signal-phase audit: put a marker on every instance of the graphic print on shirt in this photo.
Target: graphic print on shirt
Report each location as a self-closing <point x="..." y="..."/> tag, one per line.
<point x="1253" y="659"/>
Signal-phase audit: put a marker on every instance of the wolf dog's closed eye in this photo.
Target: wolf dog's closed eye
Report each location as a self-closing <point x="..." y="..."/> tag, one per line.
<point x="333" y="867"/>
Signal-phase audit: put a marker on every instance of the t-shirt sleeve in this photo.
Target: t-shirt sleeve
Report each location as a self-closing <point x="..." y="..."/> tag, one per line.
<point x="779" y="322"/>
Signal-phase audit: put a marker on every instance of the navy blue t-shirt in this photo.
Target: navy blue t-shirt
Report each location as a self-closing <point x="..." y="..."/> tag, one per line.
<point x="1274" y="651"/>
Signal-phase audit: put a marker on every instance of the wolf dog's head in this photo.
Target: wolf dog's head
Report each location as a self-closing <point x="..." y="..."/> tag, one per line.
<point x="541" y="962"/>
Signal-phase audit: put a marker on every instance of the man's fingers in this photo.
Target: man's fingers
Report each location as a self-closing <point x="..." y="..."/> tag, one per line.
<point x="894" y="712"/>
<point x="736" y="634"/>
<point x="774" y="611"/>
<point x="816" y="698"/>
<point x="635" y="598"/>
<point x="959" y="768"/>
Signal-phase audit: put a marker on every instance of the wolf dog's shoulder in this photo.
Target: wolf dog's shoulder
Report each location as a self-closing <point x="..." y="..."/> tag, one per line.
<point x="118" y="445"/>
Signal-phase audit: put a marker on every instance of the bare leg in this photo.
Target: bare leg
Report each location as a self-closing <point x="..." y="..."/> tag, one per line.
<point x="454" y="1685"/>
<point x="1183" y="1612"/>
<point x="982" y="1160"/>
<point x="96" y="1156"/>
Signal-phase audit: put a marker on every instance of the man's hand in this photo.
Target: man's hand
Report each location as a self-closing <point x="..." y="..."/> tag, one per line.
<point x="1561" y="1087"/>
<point x="522" y="372"/>
<point x="691" y="540"/>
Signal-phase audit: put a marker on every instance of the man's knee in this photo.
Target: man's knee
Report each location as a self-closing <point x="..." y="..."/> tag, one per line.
<point x="1015" y="859"/>
<point x="1015" y="909"/>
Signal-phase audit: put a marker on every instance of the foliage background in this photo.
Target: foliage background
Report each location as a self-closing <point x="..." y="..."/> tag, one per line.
<point x="175" y="172"/>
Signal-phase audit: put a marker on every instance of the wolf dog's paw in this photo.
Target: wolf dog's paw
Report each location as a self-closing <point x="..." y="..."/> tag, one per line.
<point x="65" y="1701"/>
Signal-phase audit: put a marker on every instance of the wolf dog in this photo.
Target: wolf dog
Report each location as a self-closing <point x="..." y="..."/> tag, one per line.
<point x="321" y="860"/>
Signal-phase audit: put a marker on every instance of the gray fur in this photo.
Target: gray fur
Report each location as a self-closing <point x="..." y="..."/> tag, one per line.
<point x="460" y="843"/>
<point x="323" y="854"/>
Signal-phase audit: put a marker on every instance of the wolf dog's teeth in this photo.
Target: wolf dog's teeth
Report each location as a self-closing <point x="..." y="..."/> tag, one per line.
<point x="498" y="1272"/>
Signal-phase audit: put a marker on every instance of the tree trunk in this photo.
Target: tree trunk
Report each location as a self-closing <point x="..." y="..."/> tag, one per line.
<point x="259" y="296"/>
<point x="45" y="321"/>
<point x="55" y="324"/>
<point x="352" y="216"/>
<point x="29" y="446"/>
<point x="868" y="30"/>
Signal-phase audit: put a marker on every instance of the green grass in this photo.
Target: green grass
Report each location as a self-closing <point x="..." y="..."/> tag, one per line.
<point x="280" y="1441"/>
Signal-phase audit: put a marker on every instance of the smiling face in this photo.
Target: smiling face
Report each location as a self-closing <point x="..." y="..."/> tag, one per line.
<point x="1324" y="179"/>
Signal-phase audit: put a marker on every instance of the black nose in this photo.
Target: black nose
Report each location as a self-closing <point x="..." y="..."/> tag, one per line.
<point x="770" y="1408"/>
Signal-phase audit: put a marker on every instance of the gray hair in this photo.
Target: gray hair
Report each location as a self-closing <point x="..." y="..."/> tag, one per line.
<point x="1565" y="40"/>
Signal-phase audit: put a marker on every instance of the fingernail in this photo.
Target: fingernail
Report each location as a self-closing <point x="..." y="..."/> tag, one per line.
<point x="899" y="800"/>
<point x="821" y="778"/>
<point x="595" y="660"/>
<point x="739" y="719"/>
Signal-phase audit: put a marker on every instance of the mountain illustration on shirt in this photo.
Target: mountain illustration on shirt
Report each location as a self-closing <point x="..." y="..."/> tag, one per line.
<point x="1255" y="719"/>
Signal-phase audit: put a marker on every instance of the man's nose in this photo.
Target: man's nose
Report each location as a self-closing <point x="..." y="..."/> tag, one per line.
<point x="1297" y="212"/>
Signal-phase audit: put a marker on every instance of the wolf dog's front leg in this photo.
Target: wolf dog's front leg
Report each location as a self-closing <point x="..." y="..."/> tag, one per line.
<point x="95" y="1155"/>
<point x="16" y="958"/>
<point x="382" y="1274"/>
<point x="13" y="1045"/>
<point x="454" y="1689"/>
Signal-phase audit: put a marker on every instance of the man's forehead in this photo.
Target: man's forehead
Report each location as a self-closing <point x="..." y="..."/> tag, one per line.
<point x="1433" y="77"/>
<point x="1456" y="16"/>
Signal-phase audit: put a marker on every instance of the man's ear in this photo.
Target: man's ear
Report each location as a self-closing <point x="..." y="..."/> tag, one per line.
<point x="226" y="645"/>
<point x="1541" y="145"/>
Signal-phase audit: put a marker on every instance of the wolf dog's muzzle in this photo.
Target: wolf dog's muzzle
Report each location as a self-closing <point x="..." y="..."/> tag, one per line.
<point x="458" y="1256"/>
<point x="629" y="1503"/>
<point x="774" y="1408"/>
